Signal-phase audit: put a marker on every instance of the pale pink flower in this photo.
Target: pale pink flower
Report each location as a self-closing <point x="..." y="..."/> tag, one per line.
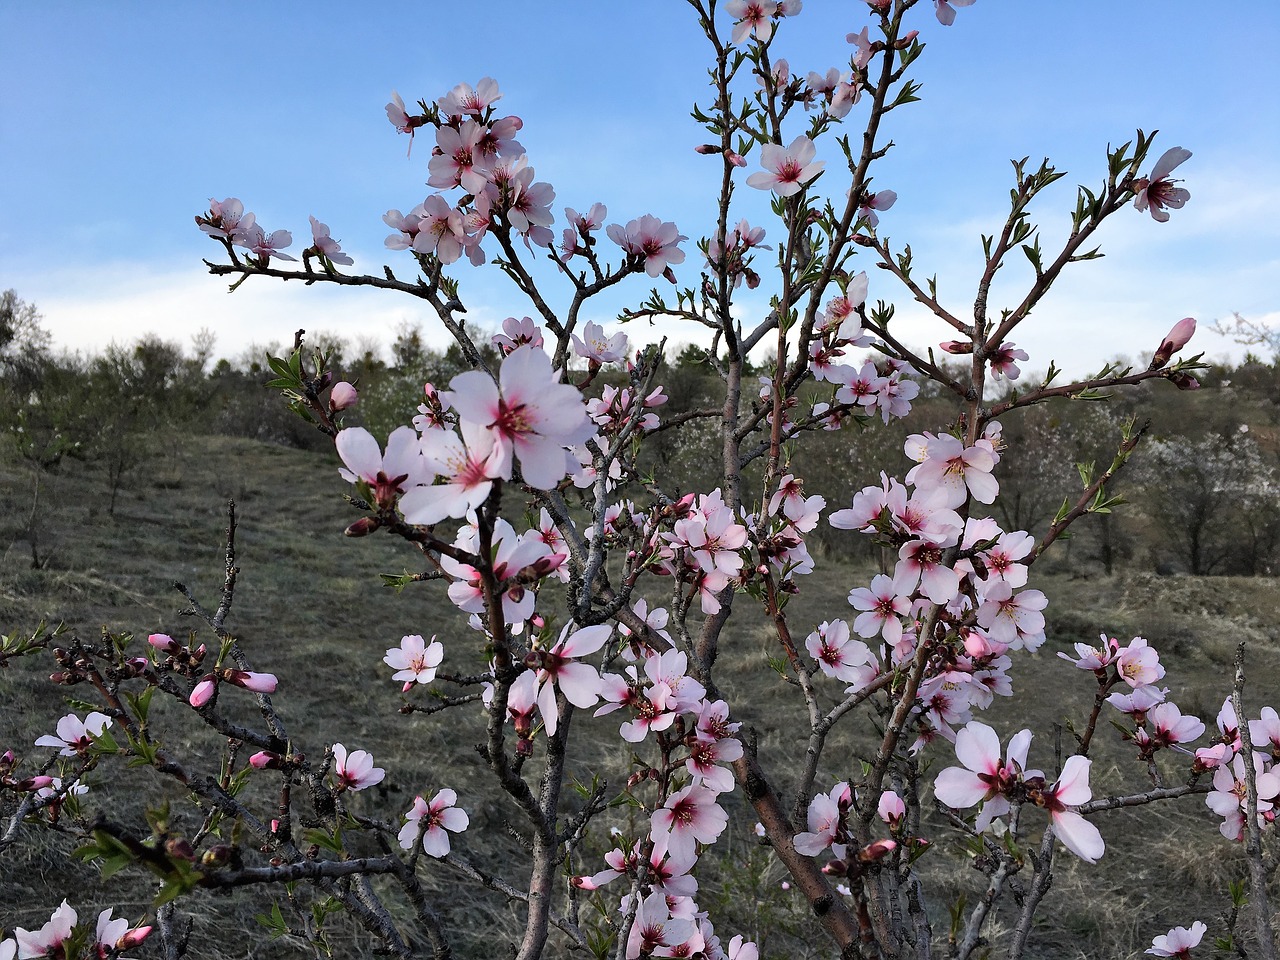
<point x="431" y="820"/>
<point x="48" y="940"/>
<point x="1012" y="618"/>
<point x="516" y="333"/>
<point x="579" y="682"/>
<point x="825" y="817"/>
<point x="956" y="472"/>
<point x="1072" y="789"/>
<point x="943" y="9"/>
<point x="1229" y="796"/>
<point x="468" y="469"/>
<point x="75" y="736"/>
<point x="512" y="553"/>
<point x="115" y="935"/>
<point x="786" y="170"/>
<point x="389" y="474"/>
<point x="655" y="931"/>
<point x="753" y="16"/>
<point x="985" y="778"/>
<point x="1094" y="658"/>
<point x="440" y="230"/>
<point x="1139" y="664"/>
<point x="263" y="245"/>
<point x="458" y="162"/>
<point x="406" y="225"/>
<point x="1170" y="726"/>
<point x="1002" y="360"/>
<point x="355" y="771"/>
<point x="882" y="200"/>
<point x="464" y="99"/>
<point x="690" y="816"/>
<point x="1158" y="191"/>
<point x="1178" y="942"/>
<point x="224" y="218"/>
<point x="654" y="240"/>
<point x="414" y="661"/>
<point x="534" y="414"/>
<point x="326" y="245"/>
<point x="891" y="809"/>
<point x="882" y="606"/>
<point x="920" y="564"/>
<point x="598" y="348"/>
<point x="1266" y="730"/>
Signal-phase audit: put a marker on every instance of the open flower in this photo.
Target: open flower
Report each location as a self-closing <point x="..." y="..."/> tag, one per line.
<point x="74" y="735"/>
<point x="786" y="170"/>
<point x="1157" y="191"/>
<point x="355" y="771"/>
<point x="431" y="820"/>
<point x="415" y="661"/>
<point x="1178" y="941"/>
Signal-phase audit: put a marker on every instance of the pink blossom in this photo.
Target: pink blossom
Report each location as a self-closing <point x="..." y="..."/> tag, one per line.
<point x="1002" y="360"/>
<point x="882" y="606"/>
<point x="1094" y="658"/>
<point x="1012" y="618"/>
<point x="1170" y="726"/>
<point x="355" y="771"/>
<point x="48" y="940"/>
<point x="786" y="170"/>
<point x="439" y="230"/>
<point x="114" y="935"/>
<point x="956" y="472"/>
<point x="653" y="240"/>
<point x="943" y="8"/>
<point x="512" y="554"/>
<point x="458" y="161"/>
<point x="985" y="777"/>
<point x="579" y="682"/>
<point x="753" y="16"/>
<point x="468" y="466"/>
<point x="325" y="245"/>
<point x="1178" y="942"/>
<point x="464" y="99"/>
<point x="596" y="347"/>
<point x="1158" y="191"/>
<point x="1072" y="789"/>
<point x="262" y="245"/>
<point x="1139" y="664"/>
<point x="75" y="736"/>
<point x="431" y="820"/>
<point x="414" y="661"/>
<point x="891" y="809"/>
<point x="689" y="816"/>
<point x="516" y="333"/>
<point x="882" y="200"/>
<point x="533" y="414"/>
<point x="825" y="819"/>
<point x="224" y="218"/>
<point x="389" y="474"/>
<point x="655" y="931"/>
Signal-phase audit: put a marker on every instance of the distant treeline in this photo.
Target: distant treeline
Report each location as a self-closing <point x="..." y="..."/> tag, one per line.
<point x="1203" y="487"/>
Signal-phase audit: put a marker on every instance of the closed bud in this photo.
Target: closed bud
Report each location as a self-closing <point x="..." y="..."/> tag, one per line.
<point x="216" y="855"/>
<point x="835" y="868"/>
<point x="266" y="760"/>
<point x="164" y="643"/>
<point x="362" y="527"/>
<point x="179" y="848"/>
<point x="706" y="149"/>
<point x="876" y="850"/>
<point x="956" y="347"/>
<point x="342" y="396"/>
<point x="1184" y="381"/>
<point x="257" y="682"/>
<point x="203" y="691"/>
<point x="1174" y="341"/>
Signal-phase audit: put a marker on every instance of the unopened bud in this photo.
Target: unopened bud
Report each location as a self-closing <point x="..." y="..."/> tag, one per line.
<point x="835" y="868"/>
<point x="956" y="346"/>
<point x="179" y="848"/>
<point x="1174" y="341"/>
<point x="266" y="760"/>
<point x="706" y="149"/>
<point x="342" y="396"/>
<point x="164" y="643"/>
<point x="257" y="682"/>
<point x="362" y="527"/>
<point x="203" y="691"/>
<point x="1184" y="381"/>
<point x="876" y="850"/>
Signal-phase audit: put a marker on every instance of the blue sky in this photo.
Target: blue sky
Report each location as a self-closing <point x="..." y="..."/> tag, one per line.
<point x="118" y="122"/>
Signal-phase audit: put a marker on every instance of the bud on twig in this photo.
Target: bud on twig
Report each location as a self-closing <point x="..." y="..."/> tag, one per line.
<point x="1174" y="341"/>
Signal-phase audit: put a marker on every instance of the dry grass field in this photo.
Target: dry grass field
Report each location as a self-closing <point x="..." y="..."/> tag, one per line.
<point x="311" y="609"/>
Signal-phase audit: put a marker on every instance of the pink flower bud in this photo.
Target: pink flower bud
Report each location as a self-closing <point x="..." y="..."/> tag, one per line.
<point x="876" y="850"/>
<point x="737" y="159"/>
<point x="706" y="149"/>
<point x="342" y="396"/>
<point x="133" y="938"/>
<point x="34" y="783"/>
<point x="203" y="691"/>
<point x="164" y="642"/>
<point x="1174" y="341"/>
<point x="1184" y="381"/>
<point x="257" y="682"/>
<point x="956" y="346"/>
<point x="265" y="760"/>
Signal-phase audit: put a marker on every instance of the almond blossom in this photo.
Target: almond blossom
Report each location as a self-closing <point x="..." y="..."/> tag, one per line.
<point x="325" y="245"/>
<point x="1157" y="191"/>
<point x="48" y="940"/>
<point x="559" y="670"/>
<point x="689" y="816"/>
<point x="1178" y="942"/>
<point x="430" y="820"/>
<point x="986" y="777"/>
<point x="753" y="16"/>
<point x="355" y="771"/>
<point x="389" y="474"/>
<point x="786" y="170"/>
<point x="1072" y="789"/>
<point x="653" y="240"/>
<point x="414" y="661"/>
<point x="533" y="414"/>
<point x="75" y="736"/>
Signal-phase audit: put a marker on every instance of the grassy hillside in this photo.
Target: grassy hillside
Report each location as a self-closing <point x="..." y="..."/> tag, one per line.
<point x="310" y="608"/>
